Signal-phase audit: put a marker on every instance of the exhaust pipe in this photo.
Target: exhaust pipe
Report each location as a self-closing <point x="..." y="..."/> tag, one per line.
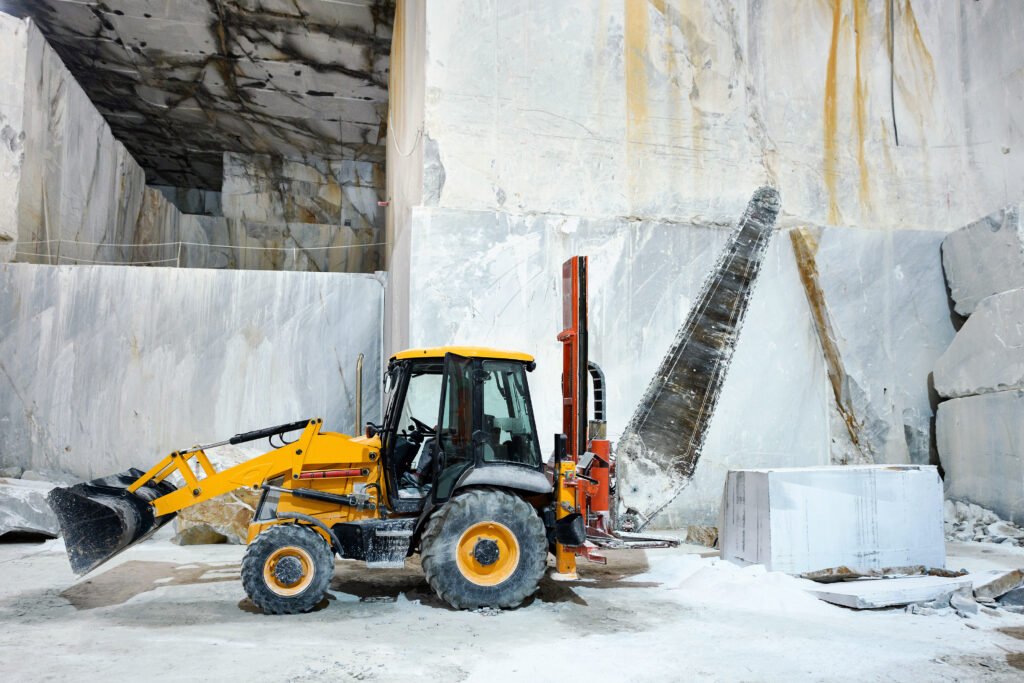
<point x="359" y="396"/>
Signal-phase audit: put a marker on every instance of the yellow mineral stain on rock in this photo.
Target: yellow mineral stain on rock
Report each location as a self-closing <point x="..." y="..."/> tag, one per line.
<point x="861" y="31"/>
<point x="636" y="67"/>
<point x="805" y="249"/>
<point x="831" y="159"/>
<point x="635" y="46"/>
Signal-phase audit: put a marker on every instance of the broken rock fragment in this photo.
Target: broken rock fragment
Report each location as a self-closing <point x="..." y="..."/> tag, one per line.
<point x="984" y="258"/>
<point x="987" y="354"/>
<point x="989" y="586"/>
<point x="23" y="508"/>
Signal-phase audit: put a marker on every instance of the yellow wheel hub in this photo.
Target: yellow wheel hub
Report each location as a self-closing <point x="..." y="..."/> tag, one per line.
<point x="288" y="570"/>
<point x="487" y="553"/>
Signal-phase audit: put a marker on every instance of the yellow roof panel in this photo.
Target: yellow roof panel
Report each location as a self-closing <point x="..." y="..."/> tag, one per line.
<point x="469" y="351"/>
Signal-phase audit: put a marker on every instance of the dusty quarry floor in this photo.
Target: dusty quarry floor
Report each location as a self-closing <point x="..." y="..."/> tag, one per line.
<point x="163" y="612"/>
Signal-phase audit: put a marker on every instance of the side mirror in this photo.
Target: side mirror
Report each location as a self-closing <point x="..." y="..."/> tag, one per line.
<point x="371" y="430"/>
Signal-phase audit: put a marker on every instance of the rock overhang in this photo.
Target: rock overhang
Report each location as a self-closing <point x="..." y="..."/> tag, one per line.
<point x="181" y="83"/>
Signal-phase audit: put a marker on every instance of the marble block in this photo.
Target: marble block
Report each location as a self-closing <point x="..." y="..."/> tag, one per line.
<point x="807" y="519"/>
<point x="984" y="258"/>
<point x="981" y="446"/>
<point x="886" y="299"/>
<point x="111" y="367"/>
<point x="987" y="354"/>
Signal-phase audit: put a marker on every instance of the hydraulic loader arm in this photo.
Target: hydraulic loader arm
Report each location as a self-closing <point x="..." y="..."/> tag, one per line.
<point x="103" y="517"/>
<point x="311" y="449"/>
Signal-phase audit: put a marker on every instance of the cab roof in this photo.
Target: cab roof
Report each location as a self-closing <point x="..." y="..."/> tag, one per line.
<point x="468" y="351"/>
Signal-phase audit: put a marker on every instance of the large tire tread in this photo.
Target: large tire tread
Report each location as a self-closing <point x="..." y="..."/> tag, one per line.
<point x="479" y="504"/>
<point x="275" y="537"/>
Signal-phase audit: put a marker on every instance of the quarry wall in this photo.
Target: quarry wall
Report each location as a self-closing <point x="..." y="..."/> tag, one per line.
<point x="634" y="132"/>
<point x="106" y="367"/>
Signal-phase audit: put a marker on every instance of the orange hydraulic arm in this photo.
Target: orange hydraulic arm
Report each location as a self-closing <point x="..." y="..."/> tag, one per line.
<point x="312" y="451"/>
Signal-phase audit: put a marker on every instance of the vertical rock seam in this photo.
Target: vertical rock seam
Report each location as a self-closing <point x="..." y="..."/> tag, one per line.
<point x="805" y="248"/>
<point x="669" y="424"/>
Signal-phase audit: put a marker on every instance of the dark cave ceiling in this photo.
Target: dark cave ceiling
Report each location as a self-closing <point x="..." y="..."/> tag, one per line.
<point x="182" y="81"/>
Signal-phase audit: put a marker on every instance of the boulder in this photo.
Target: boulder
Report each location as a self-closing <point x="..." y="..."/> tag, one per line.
<point x="987" y="354"/>
<point x="980" y="441"/>
<point x="224" y="519"/>
<point x="23" y="508"/>
<point x="984" y="258"/>
<point x="702" y="534"/>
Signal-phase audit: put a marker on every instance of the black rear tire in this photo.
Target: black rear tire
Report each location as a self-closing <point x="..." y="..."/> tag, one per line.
<point x="502" y="544"/>
<point x="287" y="569"/>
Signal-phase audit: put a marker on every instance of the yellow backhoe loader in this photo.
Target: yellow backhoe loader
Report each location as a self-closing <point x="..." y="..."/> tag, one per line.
<point x="455" y="472"/>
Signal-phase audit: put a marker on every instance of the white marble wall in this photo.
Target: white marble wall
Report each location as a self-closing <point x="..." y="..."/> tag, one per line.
<point x="14" y="35"/>
<point x="669" y="110"/>
<point x="635" y="132"/>
<point x="267" y="189"/>
<point x="107" y="367"/>
<point x="494" y="279"/>
<point x="76" y="191"/>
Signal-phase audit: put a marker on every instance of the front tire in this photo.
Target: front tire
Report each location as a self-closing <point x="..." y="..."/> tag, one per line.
<point x="287" y="568"/>
<point x="484" y="548"/>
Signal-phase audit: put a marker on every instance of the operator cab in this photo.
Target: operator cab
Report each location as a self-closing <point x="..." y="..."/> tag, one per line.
<point x="450" y="411"/>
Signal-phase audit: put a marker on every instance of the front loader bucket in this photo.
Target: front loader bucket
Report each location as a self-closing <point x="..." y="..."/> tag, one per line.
<point x="100" y="518"/>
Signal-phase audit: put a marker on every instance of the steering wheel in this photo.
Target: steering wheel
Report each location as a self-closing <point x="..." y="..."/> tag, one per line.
<point x="420" y="426"/>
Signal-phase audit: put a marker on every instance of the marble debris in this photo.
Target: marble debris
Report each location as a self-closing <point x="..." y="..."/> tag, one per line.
<point x="970" y="522"/>
<point x="111" y="367"/>
<point x="984" y="258"/>
<point x="990" y="585"/>
<point x="987" y="354"/>
<point x="981" y="442"/>
<point x="23" y="508"/>
<point x="891" y="592"/>
<point x="799" y="520"/>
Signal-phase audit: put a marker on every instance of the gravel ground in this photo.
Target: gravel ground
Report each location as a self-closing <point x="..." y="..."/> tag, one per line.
<point x="165" y="612"/>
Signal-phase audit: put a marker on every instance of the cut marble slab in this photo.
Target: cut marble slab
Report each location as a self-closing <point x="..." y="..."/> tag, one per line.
<point x="984" y="258"/>
<point x="996" y="583"/>
<point x="875" y="593"/>
<point x="23" y="508"/>
<point x="806" y="519"/>
<point x="981" y="445"/>
<point x="987" y="354"/>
